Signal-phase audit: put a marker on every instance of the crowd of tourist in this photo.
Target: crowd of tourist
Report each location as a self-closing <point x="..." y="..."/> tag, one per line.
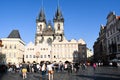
<point x="45" y="68"/>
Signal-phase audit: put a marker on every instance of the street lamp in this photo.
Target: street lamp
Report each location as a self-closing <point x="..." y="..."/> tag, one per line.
<point x="51" y="56"/>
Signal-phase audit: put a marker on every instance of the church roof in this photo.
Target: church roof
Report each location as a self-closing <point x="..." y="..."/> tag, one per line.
<point x="14" y="34"/>
<point x="41" y="16"/>
<point x="118" y="17"/>
<point x="58" y="15"/>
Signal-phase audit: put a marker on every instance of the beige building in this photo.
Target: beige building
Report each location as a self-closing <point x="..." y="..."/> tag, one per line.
<point x="89" y="53"/>
<point x="73" y="51"/>
<point x="13" y="47"/>
<point x="51" y="44"/>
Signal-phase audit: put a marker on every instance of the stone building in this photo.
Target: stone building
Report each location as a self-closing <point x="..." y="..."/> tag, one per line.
<point x="107" y="46"/>
<point x="51" y="44"/>
<point x="13" y="47"/>
<point x="100" y="46"/>
<point x="113" y="35"/>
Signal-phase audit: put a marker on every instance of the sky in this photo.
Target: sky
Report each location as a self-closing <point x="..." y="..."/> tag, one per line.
<point x="82" y="17"/>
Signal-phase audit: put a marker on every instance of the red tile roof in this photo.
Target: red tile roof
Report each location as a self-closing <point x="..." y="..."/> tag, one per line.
<point x="118" y="17"/>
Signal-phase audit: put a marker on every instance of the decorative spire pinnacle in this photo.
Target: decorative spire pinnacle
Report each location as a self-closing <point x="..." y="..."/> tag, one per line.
<point x="58" y="14"/>
<point x="58" y="3"/>
<point x="41" y="16"/>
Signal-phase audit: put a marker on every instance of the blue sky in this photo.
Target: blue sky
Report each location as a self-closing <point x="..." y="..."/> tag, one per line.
<point x="82" y="17"/>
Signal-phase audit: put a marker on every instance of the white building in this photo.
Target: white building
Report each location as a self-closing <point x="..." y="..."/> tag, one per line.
<point x="51" y="44"/>
<point x="13" y="47"/>
<point x="89" y="53"/>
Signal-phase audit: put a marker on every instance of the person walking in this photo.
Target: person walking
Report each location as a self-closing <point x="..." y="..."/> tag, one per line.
<point x="50" y="71"/>
<point x="24" y="70"/>
<point x="69" y="68"/>
<point x="94" y="66"/>
<point x="43" y="69"/>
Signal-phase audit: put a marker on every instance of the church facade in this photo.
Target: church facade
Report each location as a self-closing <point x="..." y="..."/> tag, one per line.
<point x="51" y="44"/>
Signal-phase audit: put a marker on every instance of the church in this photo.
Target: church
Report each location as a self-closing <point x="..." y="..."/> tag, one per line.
<point x="50" y="43"/>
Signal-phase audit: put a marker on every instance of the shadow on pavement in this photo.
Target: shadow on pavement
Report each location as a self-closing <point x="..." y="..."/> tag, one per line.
<point x="89" y="77"/>
<point x="115" y="75"/>
<point x="2" y="74"/>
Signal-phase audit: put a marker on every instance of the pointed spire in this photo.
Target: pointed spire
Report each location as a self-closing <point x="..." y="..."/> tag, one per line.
<point x="41" y="16"/>
<point x="58" y="14"/>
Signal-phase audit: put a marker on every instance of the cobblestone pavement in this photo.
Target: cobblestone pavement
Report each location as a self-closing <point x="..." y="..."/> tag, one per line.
<point x="101" y="73"/>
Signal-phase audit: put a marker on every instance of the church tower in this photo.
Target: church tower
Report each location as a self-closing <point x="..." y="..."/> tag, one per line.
<point x="41" y="26"/>
<point x="59" y="24"/>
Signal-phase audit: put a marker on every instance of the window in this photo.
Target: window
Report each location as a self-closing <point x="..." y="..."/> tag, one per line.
<point x="5" y="47"/>
<point x="108" y="34"/>
<point x="33" y="56"/>
<point x="44" y="56"/>
<point x="41" y="56"/>
<point x="118" y="38"/>
<point x="48" y="56"/>
<point x="15" y="47"/>
<point x="119" y="47"/>
<point x="58" y="26"/>
<point x="111" y="31"/>
<point x="40" y="27"/>
<point x="54" y="56"/>
<point x="26" y="56"/>
<point x="30" y="56"/>
<point x="114" y="39"/>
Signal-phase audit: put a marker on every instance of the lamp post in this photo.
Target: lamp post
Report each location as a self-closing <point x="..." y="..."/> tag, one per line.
<point x="51" y="56"/>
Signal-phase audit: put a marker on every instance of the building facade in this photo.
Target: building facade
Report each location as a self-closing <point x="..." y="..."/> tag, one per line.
<point x="13" y="47"/>
<point x="113" y="35"/>
<point x="100" y="46"/>
<point x="89" y="53"/>
<point x="107" y="46"/>
<point x="51" y="44"/>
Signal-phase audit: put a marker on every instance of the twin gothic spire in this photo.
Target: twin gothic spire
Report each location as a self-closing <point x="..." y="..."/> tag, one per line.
<point x="58" y="16"/>
<point x="41" y="16"/>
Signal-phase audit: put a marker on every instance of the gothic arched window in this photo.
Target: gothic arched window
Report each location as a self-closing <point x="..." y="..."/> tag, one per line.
<point x="58" y="26"/>
<point x="40" y="27"/>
